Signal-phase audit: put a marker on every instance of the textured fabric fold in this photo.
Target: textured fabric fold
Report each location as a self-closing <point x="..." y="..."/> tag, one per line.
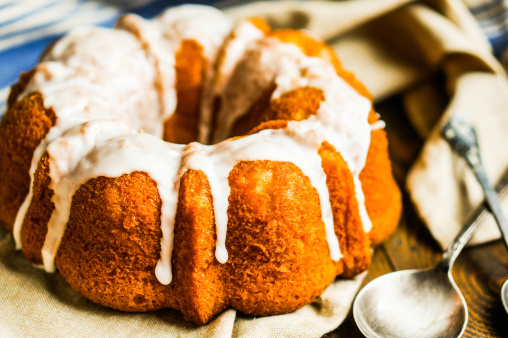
<point x="443" y="189"/>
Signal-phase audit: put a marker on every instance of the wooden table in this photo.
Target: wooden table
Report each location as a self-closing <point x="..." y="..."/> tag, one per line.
<point x="479" y="271"/>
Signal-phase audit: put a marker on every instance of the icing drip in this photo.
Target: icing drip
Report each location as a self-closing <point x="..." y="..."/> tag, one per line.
<point x="342" y="115"/>
<point x="162" y="56"/>
<point x="99" y="107"/>
<point x="65" y="154"/>
<point x="295" y="144"/>
<point x="126" y="154"/>
<point x="232" y="52"/>
<point x="165" y="163"/>
<point x="379" y="124"/>
<point x="87" y="83"/>
<point x="206" y="25"/>
<point x="252" y="76"/>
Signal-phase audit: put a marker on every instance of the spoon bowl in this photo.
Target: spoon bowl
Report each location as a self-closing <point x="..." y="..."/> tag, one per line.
<point x="504" y="295"/>
<point x="413" y="303"/>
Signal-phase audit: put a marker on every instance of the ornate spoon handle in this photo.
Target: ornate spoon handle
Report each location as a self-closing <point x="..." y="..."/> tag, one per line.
<point x="462" y="138"/>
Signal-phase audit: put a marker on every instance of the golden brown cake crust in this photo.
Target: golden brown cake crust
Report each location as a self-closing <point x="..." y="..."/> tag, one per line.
<point x="382" y="195"/>
<point x="190" y="67"/>
<point x="112" y="243"/>
<point x="277" y="263"/>
<point x="199" y="276"/>
<point x="354" y="243"/>
<point x="34" y="229"/>
<point x="22" y="128"/>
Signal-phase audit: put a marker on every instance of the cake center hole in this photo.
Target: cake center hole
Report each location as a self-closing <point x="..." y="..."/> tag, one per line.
<point x="183" y="126"/>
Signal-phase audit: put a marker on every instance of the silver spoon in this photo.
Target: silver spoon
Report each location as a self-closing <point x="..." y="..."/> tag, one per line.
<point x="462" y="137"/>
<point x="418" y="303"/>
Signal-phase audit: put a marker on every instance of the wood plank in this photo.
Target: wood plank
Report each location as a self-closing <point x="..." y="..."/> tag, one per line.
<point x="411" y="246"/>
<point x="480" y="272"/>
<point x="380" y="265"/>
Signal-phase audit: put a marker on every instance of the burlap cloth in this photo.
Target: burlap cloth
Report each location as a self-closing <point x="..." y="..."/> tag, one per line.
<point x="394" y="47"/>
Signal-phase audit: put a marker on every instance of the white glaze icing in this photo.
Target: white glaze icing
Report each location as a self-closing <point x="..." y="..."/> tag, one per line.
<point x="85" y="84"/>
<point x="342" y="116"/>
<point x="295" y="144"/>
<point x="232" y="52"/>
<point x="65" y="153"/>
<point x="252" y="76"/>
<point x="89" y="90"/>
<point x="125" y="154"/>
<point x="165" y="163"/>
<point x="206" y="26"/>
<point x="161" y="54"/>
<point x="96" y="59"/>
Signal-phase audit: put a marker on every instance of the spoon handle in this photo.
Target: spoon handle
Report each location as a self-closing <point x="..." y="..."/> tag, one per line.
<point x="461" y="136"/>
<point x="492" y="200"/>
<point x="468" y="230"/>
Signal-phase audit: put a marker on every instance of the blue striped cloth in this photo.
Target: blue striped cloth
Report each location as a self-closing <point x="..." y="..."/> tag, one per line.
<point x="492" y="15"/>
<point x="28" y="26"/>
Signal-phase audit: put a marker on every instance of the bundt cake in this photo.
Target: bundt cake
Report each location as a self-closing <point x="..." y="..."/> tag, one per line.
<point x="102" y="177"/>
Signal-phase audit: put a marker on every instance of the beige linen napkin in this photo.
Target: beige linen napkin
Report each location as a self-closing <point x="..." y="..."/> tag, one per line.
<point x="394" y="46"/>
